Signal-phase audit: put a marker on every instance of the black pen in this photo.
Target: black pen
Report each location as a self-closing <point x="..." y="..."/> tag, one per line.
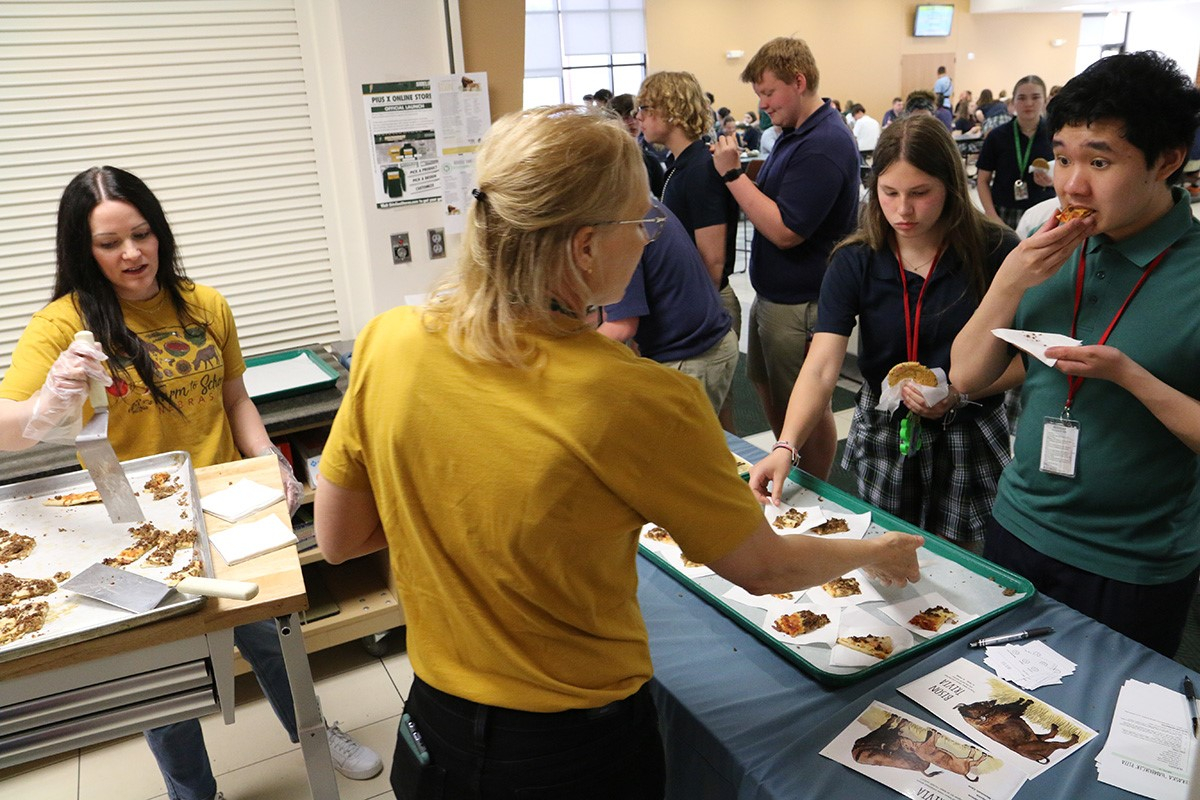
<point x="1189" y="691"/>
<point x="1010" y="637"/>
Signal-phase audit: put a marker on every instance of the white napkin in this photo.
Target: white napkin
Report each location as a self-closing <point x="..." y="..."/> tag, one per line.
<point x="1035" y="343"/>
<point x="240" y="500"/>
<point x="249" y="539"/>
<point x="889" y="396"/>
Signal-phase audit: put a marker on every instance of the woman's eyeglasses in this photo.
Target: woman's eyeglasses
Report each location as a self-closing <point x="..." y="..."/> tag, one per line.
<point x="652" y="224"/>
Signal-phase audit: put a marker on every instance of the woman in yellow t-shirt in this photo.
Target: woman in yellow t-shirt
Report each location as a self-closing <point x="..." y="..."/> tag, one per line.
<point x="167" y="350"/>
<point x="507" y="454"/>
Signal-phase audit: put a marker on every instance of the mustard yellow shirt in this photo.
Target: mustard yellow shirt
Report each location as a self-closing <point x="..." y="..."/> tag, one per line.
<point x="512" y="499"/>
<point x="193" y="363"/>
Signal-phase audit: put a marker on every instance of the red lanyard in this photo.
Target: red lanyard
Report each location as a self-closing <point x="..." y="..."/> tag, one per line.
<point x="912" y="318"/>
<point x="1075" y="381"/>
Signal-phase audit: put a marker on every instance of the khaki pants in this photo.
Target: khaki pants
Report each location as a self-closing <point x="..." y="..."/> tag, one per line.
<point x="714" y="369"/>
<point x="778" y="341"/>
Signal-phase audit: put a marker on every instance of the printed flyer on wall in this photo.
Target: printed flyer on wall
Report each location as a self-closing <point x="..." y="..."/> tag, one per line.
<point x="921" y="760"/>
<point x="402" y="124"/>
<point x="463" y="117"/>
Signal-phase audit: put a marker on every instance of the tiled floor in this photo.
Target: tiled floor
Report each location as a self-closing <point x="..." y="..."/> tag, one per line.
<point x="252" y="759"/>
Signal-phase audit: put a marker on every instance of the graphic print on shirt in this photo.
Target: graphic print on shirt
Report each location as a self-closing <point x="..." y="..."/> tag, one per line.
<point x="187" y="366"/>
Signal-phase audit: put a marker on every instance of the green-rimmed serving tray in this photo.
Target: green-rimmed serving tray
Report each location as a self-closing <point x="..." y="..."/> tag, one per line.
<point x="286" y="374"/>
<point x="971" y="583"/>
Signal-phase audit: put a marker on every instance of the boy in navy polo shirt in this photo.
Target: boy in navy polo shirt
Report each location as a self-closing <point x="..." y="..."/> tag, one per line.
<point x="804" y="202"/>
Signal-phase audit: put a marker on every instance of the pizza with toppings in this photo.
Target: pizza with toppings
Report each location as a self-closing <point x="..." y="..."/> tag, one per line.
<point x="168" y="544"/>
<point x="73" y="499"/>
<point x="1072" y="212"/>
<point x="14" y="546"/>
<point x="878" y="646"/>
<point x="162" y="485"/>
<point x="783" y="595"/>
<point x="933" y="618"/>
<point x="800" y="623"/>
<point x="195" y="569"/>
<point x="842" y="587"/>
<point x="13" y="588"/>
<point x="20" y="620"/>
<point x="792" y="518"/>
<point x="687" y="562"/>
<point x="659" y="535"/>
<point x="832" y="525"/>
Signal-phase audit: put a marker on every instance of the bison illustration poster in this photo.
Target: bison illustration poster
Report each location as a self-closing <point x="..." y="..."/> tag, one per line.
<point x="921" y="760"/>
<point x="999" y="716"/>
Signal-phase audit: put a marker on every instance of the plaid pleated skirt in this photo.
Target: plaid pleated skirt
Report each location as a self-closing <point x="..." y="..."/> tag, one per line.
<point x="949" y="485"/>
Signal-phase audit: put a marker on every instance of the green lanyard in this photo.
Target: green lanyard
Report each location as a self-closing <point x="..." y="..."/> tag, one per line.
<point x="1023" y="160"/>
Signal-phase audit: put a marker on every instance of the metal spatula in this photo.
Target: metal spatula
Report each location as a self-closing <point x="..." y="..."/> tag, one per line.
<point x="100" y="460"/>
<point x="137" y="593"/>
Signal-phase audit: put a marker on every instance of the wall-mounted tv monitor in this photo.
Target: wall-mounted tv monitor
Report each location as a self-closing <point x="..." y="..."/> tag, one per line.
<point x="933" y="20"/>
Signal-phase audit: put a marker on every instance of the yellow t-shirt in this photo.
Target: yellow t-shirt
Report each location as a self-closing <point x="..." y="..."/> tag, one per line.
<point x="512" y="499"/>
<point x="193" y="363"/>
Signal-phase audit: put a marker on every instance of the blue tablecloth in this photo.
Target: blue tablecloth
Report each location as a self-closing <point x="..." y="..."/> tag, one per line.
<point x="741" y="722"/>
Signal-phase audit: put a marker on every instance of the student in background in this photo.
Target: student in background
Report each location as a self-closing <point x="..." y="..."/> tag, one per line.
<point x="671" y="313"/>
<point x="923" y="253"/>
<point x="1007" y="182"/>
<point x="673" y="114"/>
<point x="804" y="200"/>
<point x="893" y="113"/>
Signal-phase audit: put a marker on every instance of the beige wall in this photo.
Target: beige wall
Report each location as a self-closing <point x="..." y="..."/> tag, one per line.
<point x="858" y="45"/>
<point x="493" y="36"/>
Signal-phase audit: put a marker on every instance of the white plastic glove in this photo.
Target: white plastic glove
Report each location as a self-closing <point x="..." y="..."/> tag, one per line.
<point x="58" y="406"/>
<point x="293" y="490"/>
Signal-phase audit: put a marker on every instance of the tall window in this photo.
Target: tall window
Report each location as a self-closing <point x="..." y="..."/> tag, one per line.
<point x="574" y="47"/>
<point x="1100" y="35"/>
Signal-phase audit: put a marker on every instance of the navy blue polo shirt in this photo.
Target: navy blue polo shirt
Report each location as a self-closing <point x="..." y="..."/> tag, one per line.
<point x="999" y="157"/>
<point x="679" y="312"/>
<point x="864" y="283"/>
<point x="697" y="195"/>
<point x="812" y="176"/>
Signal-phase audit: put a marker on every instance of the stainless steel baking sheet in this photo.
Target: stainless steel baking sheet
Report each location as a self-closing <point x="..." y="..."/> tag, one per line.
<point x="73" y="538"/>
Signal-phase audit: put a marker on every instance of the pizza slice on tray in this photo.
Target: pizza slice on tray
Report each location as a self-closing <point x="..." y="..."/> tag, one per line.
<point x="877" y="646"/>
<point x="933" y="618"/>
<point x="73" y="499"/>
<point x="842" y="587"/>
<point x="833" y="525"/>
<point x="800" y="623"/>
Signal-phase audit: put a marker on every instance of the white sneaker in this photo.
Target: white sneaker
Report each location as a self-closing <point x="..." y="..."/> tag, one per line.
<point x="350" y="758"/>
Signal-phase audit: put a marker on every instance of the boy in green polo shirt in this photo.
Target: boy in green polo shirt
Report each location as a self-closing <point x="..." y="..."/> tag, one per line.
<point x="1101" y="503"/>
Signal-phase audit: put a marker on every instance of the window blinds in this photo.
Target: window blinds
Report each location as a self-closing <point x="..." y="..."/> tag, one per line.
<point x="205" y="100"/>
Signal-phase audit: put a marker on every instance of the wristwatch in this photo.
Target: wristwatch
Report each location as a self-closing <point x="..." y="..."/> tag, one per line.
<point x="733" y="174"/>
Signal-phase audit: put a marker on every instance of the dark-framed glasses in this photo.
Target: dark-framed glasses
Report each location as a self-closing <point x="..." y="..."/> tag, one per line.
<point x="652" y="223"/>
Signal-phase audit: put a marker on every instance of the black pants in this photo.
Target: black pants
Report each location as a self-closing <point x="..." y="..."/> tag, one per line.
<point x="1153" y="615"/>
<point x="481" y="752"/>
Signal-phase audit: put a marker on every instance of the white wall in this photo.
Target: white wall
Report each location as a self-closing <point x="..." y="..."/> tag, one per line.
<point x="353" y="42"/>
<point x="1173" y="30"/>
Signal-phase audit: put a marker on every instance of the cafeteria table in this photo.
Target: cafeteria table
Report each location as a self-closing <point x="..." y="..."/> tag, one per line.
<point x="740" y="722"/>
<point x="83" y="693"/>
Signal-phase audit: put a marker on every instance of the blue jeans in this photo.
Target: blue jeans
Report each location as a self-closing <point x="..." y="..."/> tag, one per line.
<point x="179" y="747"/>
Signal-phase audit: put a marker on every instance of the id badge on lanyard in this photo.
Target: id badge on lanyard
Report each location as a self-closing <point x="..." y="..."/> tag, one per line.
<point x="1060" y="435"/>
<point x="1060" y="445"/>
